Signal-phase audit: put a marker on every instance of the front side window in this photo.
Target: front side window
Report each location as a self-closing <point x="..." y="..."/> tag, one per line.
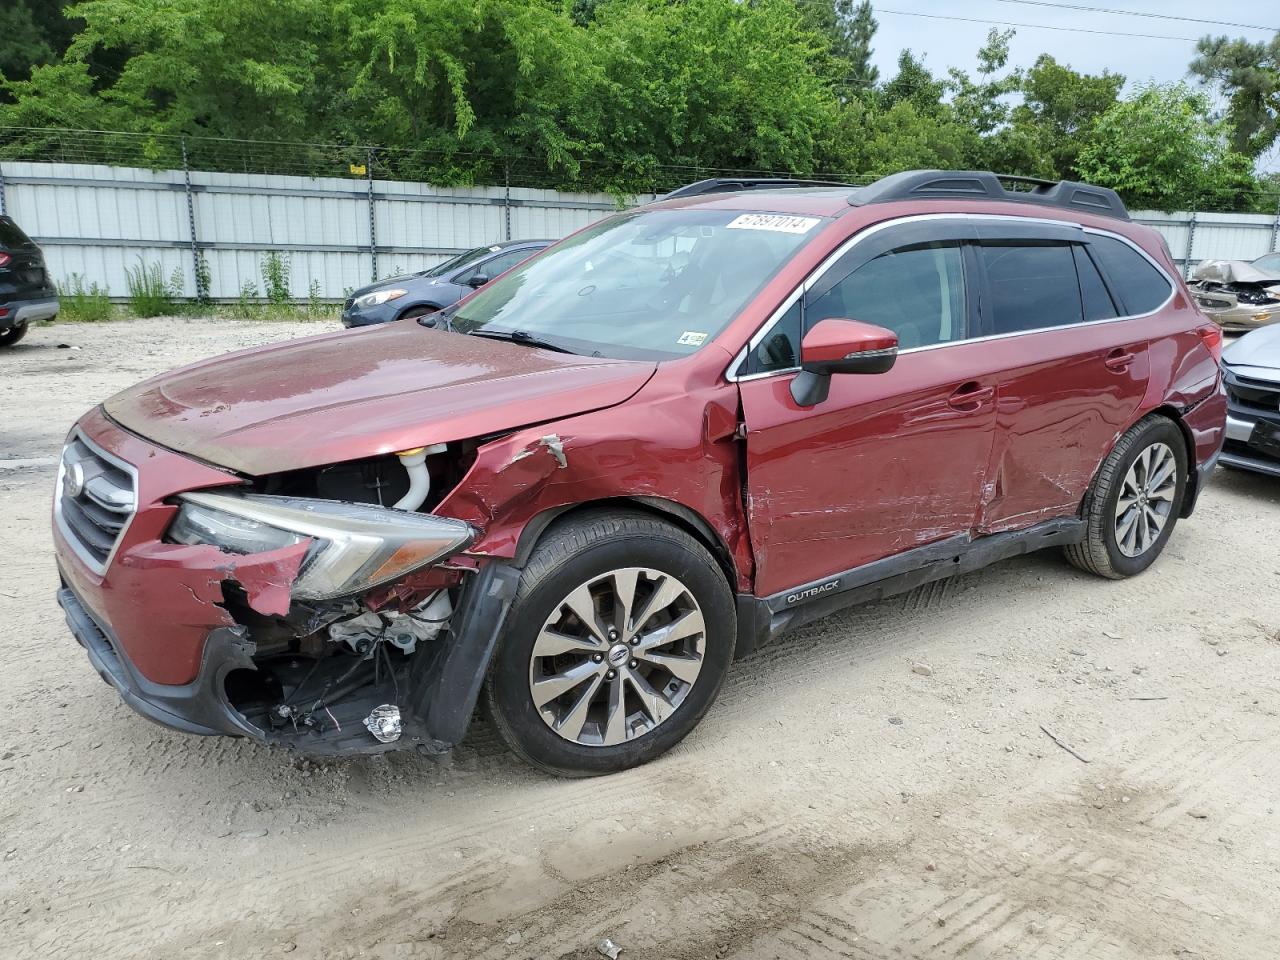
<point x="647" y="284"/>
<point x="497" y="265"/>
<point x="456" y="261"/>
<point x="1032" y="286"/>
<point x="917" y="292"/>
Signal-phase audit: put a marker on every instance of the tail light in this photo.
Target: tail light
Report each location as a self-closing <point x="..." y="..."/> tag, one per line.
<point x="4" y="259"/>
<point x="1211" y="337"/>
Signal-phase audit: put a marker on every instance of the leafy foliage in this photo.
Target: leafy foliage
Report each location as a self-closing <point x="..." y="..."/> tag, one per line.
<point x="619" y="95"/>
<point x="1162" y="149"/>
<point x="1248" y="74"/>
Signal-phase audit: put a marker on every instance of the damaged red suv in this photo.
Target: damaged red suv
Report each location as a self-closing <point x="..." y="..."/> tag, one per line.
<point x="578" y="495"/>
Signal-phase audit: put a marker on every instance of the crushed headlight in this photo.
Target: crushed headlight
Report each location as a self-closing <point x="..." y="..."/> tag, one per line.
<point x="379" y="297"/>
<point x="355" y="546"/>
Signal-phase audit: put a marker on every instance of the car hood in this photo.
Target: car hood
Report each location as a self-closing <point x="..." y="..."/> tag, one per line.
<point x="1256" y="353"/>
<point x="357" y="393"/>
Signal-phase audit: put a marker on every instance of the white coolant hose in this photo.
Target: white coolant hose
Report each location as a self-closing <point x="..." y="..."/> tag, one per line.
<point x="415" y="464"/>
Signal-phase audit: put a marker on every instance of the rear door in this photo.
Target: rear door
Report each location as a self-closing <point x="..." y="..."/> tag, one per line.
<point x="1074" y="372"/>
<point x="889" y="461"/>
<point x="22" y="271"/>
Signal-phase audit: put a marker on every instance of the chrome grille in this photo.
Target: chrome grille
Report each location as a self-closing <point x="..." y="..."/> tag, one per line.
<point x="95" y="499"/>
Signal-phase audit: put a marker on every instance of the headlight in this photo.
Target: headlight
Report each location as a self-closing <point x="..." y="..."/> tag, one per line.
<point x="354" y="547"/>
<point x="379" y="297"/>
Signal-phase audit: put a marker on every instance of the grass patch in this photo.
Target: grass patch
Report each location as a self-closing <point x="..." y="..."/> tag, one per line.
<point x="150" y="294"/>
<point x="84" y="304"/>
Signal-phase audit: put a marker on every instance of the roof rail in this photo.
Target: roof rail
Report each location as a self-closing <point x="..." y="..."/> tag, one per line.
<point x="983" y="185"/>
<point x="734" y="184"/>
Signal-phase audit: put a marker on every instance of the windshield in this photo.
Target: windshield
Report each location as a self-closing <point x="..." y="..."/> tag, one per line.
<point x="649" y="284"/>
<point x="440" y="269"/>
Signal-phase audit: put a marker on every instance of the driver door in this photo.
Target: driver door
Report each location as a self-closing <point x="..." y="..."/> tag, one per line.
<point x="888" y="461"/>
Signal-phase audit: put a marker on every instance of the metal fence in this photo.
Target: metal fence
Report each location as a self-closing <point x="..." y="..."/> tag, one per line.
<point x="96" y="222"/>
<point x="344" y="216"/>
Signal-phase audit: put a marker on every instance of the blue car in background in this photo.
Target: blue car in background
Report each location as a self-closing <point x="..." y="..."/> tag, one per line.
<point x="417" y="294"/>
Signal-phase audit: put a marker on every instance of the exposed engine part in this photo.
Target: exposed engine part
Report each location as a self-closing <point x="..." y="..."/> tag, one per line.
<point x="402" y="630"/>
<point x="415" y="464"/>
<point x="384" y="723"/>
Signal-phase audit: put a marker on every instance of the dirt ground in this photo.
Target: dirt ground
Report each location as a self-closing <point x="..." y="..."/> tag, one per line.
<point x="877" y="785"/>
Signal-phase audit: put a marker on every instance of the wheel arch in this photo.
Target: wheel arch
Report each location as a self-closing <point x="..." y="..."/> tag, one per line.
<point x="431" y="307"/>
<point x="687" y="519"/>
<point x="1169" y="412"/>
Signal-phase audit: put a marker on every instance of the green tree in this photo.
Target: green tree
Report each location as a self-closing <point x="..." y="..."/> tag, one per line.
<point x="1160" y="148"/>
<point x="914" y="83"/>
<point x="1055" y="118"/>
<point x="32" y="33"/>
<point x="1248" y="74"/>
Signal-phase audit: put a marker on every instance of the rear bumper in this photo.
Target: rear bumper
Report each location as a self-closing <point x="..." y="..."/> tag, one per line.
<point x="16" y="313"/>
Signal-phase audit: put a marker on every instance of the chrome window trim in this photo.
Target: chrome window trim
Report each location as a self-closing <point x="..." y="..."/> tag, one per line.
<point x="731" y="371"/>
<point x="68" y="535"/>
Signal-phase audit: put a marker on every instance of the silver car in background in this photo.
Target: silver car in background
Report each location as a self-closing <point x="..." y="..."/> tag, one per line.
<point x="1251" y="366"/>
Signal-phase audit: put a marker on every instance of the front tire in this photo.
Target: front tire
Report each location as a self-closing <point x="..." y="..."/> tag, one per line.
<point x="617" y="643"/>
<point x="1133" y="505"/>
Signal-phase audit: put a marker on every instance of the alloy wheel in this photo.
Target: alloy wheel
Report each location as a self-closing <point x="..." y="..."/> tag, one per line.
<point x="1146" y="500"/>
<point x="617" y="656"/>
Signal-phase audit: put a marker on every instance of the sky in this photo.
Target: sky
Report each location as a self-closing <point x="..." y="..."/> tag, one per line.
<point x="954" y="42"/>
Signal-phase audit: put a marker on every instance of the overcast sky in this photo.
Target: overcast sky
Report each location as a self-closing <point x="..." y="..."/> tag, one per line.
<point x="954" y="42"/>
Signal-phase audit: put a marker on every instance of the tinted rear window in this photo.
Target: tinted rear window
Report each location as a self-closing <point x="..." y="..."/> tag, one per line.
<point x="1138" y="284"/>
<point x="1097" y="302"/>
<point x="11" y="236"/>
<point x="1032" y="286"/>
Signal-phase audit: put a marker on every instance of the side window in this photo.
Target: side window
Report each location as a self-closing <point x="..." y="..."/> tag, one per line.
<point x="1098" y="304"/>
<point x="1139" y="285"/>
<point x="496" y="265"/>
<point x="780" y="348"/>
<point x="1033" y="286"/>
<point x="917" y="292"/>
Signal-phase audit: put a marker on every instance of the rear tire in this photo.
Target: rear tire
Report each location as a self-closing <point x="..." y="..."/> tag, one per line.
<point x="11" y="336"/>
<point x="1133" y="504"/>
<point x="580" y="699"/>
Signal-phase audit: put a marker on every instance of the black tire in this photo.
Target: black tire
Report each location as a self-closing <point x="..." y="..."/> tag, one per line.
<point x="1100" y="553"/>
<point x="570" y="554"/>
<point x="11" y="336"/>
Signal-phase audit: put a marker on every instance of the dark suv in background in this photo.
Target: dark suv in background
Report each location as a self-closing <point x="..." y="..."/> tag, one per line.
<point x="26" y="292"/>
<point x="417" y="294"/>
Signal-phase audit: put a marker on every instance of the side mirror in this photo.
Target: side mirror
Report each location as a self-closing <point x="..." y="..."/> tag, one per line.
<point x="477" y="280"/>
<point x="840" y="346"/>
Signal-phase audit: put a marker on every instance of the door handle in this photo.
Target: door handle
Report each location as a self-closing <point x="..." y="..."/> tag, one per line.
<point x="968" y="397"/>
<point x="1118" y="360"/>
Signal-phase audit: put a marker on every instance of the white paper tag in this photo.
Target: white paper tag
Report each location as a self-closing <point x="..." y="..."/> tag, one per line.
<point x="777" y="222"/>
<point x="692" y="338"/>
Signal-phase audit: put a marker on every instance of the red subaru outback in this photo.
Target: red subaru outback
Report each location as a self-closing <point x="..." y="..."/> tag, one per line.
<point x="578" y="495"/>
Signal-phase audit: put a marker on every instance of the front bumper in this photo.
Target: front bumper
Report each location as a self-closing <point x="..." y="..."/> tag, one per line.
<point x="353" y="316"/>
<point x="1239" y="454"/>
<point x="199" y="707"/>
<point x="1243" y="317"/>
<point x="16" y="313"/>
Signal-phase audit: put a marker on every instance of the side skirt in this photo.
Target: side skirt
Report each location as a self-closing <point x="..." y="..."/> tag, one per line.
<point x="772" y="615"/>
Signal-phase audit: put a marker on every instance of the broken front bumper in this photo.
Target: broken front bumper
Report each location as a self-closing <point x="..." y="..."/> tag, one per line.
<point x="198" y="707"/>
<point x="155" y="619"/>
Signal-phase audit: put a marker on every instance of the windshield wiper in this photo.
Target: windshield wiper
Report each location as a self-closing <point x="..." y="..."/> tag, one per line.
<point x="522" y="337"/>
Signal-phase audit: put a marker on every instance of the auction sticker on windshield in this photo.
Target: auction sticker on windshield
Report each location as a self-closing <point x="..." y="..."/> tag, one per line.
<point x="777" y="222"/>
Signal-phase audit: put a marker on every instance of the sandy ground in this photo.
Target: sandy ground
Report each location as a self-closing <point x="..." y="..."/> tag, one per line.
<point x="835" y="803"/>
